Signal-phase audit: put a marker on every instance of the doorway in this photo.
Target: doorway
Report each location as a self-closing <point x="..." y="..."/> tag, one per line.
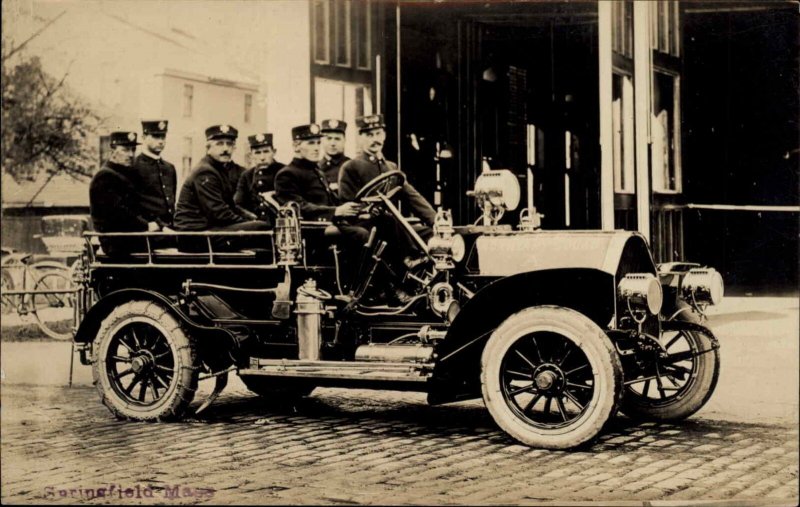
<point x="513" y="86"/>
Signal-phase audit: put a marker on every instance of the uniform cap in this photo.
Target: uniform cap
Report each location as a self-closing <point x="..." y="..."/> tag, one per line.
<point x="155" y="127"/>
<point x="369" y="122"/>
<point x="333" y="125"/>
<point x="257" y="140"/>
<point x="309" y="131"/>
<point x="123" y="138"/>
<point x="221" y="132"/>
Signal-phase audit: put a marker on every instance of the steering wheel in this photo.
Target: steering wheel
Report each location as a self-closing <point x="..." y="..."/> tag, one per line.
<point x="387" y="184"/>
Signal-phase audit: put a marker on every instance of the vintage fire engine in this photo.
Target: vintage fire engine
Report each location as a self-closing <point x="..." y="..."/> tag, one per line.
<point x="554" y="330"/>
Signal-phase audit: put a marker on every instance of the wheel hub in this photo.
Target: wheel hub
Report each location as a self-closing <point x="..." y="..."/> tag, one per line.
<point x="139" y="363"/>
<point x="549" y="378"/>
<point x="545" y="380"/>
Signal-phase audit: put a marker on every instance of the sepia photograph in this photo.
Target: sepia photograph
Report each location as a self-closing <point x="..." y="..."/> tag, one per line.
<point x="400" y="252"/>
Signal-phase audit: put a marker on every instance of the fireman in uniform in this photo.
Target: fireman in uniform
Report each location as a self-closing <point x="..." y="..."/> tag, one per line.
<point x="155" y="177"/>
<point x="333" y="151"/>
<point x="302" y="180"/>
<point x="114" y="198"/>
<point x="260" y="178"/>
<point x="370" y="163"/>
<point x="206" y="199"/>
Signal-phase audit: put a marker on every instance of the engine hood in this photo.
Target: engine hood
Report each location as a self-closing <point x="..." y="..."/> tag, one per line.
<point x="612" y="252"/>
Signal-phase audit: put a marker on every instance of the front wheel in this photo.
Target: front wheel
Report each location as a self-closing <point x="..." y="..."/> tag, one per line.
<point x="144" y="363"/>
<point x="550" y="377"/>
<point x="678" y="382"/>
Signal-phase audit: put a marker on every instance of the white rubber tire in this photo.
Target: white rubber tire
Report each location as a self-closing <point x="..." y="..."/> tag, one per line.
<point x="599" y="351"/>
<point x="180" y="393"/>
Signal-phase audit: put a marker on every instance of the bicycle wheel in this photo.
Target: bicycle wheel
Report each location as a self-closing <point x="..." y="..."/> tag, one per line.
<point x="53" y="312"/>
<point x="7" y="303"/>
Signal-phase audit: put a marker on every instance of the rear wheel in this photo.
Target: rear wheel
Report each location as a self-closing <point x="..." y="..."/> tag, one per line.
<point x="144" y="363"/>
<point x="550" y="377"/>
<point x="277" y="391"/>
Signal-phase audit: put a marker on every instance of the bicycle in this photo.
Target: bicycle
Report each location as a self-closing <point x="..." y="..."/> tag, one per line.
<point x="42" y="290"/>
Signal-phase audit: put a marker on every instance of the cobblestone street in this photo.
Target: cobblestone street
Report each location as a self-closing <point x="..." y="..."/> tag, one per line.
<point x="60" y="445"/>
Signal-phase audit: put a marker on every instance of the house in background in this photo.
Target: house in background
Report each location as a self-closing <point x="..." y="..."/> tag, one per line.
<point x="131" y="64"/>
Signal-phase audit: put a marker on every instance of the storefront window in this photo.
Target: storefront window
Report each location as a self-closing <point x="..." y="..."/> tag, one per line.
<point x="665" y="131"/>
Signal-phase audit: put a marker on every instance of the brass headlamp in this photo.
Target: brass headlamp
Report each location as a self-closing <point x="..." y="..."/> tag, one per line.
<point x="642" y="293"/>
<point x="702" y="286"/>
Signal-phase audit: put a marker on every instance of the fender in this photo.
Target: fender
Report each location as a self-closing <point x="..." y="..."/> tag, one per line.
<point x="586" y="290"/>
<point x="87" y="331"/>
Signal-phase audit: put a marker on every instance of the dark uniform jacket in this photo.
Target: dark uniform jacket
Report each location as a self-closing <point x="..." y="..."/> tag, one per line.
<point x="156" y="182"/>
<point x="206" y="199"/>
<point x="303" y="182"/>
<point x="358" y="172"/>
<point x="330" y="168"/>
<point x="253" y="182"/>
<point x="114" y="206"/>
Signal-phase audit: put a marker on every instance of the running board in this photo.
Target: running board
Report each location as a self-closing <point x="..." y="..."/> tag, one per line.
<point x="340" y="370"/>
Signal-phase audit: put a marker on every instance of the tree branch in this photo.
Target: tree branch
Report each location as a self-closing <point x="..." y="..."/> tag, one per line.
<point x="36" y="34"/>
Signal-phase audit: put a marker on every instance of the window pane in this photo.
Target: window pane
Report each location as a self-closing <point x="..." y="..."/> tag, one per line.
<point x="342" y="31"/>
<point x="343" y="101"/>
<point x="622" y="125"/>
<point x="665" y="133"/>
<point x="664" y="35"/>
<point x="321" y="31"/>
<point x="675" y="39"/>
<point x="188" y="97"/>
<point x="363" y="34"/>
<point x="628" y="41"/>
<point x="616" y="26"/>
<point x="248" y="107"/>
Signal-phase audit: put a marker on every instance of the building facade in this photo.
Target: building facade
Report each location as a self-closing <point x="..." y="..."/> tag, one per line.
<point x="588" y="96"/>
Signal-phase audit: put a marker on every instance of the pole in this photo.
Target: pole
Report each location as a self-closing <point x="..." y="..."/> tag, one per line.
<point x="606" y="120"/>
<point x="398" y="89"/>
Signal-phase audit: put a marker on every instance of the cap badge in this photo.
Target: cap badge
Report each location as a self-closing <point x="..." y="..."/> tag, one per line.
<point x="314" y="128"/>
<point x="260" y="138"/>
<point x="131" y="136"/>
<point x="162" y="125"/>
<point x="334" y="123"/>
<point x="372" y="119"/>
<point x="224" y="129"/>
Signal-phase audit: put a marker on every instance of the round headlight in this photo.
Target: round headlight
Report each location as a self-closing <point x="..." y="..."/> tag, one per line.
<point x="642" y="291"/>
<point x="704" y="286"/>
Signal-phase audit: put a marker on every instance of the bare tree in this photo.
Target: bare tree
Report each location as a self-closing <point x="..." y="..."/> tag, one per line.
<point x="45" y="128"/>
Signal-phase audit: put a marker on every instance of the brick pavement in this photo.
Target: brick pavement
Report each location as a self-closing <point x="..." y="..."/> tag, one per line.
<point x="345" y="447"/>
